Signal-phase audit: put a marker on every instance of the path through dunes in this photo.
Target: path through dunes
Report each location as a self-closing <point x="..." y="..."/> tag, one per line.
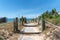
<point x="30" y="37"/>
<point x="30" y="30"/>
<point x="29" y="33"/>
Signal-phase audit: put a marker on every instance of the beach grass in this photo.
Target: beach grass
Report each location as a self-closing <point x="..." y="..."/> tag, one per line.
<point x="9" y="28"/>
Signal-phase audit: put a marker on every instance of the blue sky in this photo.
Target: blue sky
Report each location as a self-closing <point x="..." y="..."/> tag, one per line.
<point x="27" y="8"/>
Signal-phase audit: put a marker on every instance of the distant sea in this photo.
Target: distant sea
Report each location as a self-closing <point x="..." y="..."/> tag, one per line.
<point x="12" y="19"/>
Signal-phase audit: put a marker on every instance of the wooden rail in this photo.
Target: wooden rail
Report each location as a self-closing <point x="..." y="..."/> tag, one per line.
<point x="49" y="24"/>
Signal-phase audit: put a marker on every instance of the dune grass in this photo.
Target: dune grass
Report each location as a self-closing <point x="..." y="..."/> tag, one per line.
<point x="9" y="26"/>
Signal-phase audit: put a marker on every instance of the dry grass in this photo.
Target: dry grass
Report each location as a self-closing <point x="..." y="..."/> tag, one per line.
<point x="14" y="37"/>
<point x="20" y="26"/>
<point x="9" y="28"/>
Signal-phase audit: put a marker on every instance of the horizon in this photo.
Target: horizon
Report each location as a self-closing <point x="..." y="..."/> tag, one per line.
<point x="27" y="8"/>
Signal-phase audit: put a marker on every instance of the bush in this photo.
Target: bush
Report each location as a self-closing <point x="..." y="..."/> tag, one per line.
<point x="1" y="38"/>
<point x="23" y="20"/>
<point x="56" y="21"/>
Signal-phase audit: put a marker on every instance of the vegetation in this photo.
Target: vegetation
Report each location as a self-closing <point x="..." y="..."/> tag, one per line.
<point x="23" y="20"/>
<point x="33" y="19"/>
<point x="51" y="16"/>
<point x="3" y="20"/>
<point x="6" y="30"/>
<point x="1" y="38"/>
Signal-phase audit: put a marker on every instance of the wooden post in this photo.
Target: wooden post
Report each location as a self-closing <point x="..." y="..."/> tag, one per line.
<point x="16" y="24"/>
<point x="43" y="23"/>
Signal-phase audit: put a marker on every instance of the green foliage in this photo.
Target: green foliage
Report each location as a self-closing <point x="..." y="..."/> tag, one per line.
<point x="23" y="20"/>
<point x="1" y="38"/>
<point x="52" y="16"/>
<point x="56" y="21"/>
<point x="39" y="17"/>
<point x="54" y="12"/>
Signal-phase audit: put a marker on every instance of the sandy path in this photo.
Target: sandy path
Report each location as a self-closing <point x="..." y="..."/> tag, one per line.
<point x="32" y="37"/>
<point x="30" y="30"/>
<point x="29" y="37"/>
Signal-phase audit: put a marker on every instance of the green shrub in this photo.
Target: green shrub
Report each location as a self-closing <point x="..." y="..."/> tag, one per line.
<point x="1" y="39"/>
<point x="23" y="20"/>
<point x="56" y="21"/>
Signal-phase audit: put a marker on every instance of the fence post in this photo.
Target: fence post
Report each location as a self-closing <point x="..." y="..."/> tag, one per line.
<point x="43" y="23"/>
<point x="15" y="24"/>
